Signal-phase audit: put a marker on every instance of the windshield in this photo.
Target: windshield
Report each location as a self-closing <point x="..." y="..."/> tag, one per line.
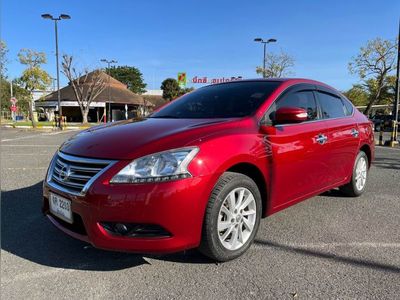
<point x="228" y="100"/>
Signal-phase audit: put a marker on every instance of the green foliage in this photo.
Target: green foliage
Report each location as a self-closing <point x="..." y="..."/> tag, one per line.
<point x="3" y="58"/>
<point x="130" y="76"/>
<point x="5" y="94"/>
<point x="184" y="91"/>
<point x="170" y="88"/>
<point x="376" y="58"/>
<point x="33" y="77"/>
<point x="363" y="94"/>
<point x="357" y="94"/>
<point x="277" y="65"/>
<point x="374" y="64"/>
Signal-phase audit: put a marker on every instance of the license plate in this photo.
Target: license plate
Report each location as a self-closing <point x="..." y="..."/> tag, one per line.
<point x="61" y="207"/>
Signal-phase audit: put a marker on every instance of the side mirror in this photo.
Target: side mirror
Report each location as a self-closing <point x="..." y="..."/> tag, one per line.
<point x="289" y="115"/>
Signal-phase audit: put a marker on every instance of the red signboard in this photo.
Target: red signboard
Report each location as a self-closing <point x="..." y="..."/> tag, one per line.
<point x="207" y="80"/>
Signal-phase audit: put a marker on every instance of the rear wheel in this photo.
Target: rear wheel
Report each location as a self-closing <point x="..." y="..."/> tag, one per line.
<point x="232" y="217"/>
<point x="359" y="177"/>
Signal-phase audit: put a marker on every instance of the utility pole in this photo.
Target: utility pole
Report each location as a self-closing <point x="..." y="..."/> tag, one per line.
<point x="11" y="89"/>
<point x="393" y="139"/>
<point x="109" y="62"/>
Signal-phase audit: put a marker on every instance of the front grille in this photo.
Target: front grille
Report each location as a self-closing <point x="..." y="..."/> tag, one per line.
<point x="74" y="174"/>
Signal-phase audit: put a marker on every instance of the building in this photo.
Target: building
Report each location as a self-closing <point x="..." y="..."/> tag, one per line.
<point x="116" y="101"/>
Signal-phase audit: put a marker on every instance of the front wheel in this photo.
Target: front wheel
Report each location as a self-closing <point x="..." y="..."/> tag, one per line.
<point x="359" y="177"/>
<point x="232" y="217"/>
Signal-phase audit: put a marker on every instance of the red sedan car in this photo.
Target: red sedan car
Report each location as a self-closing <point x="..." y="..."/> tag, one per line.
<point x="204" y="169"/>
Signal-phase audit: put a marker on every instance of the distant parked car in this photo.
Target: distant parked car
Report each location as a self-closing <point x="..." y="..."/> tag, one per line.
<point x="203" y="170"/>
<point x="383" y="120"/>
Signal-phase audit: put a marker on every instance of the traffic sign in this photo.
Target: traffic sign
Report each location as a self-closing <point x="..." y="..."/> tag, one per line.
<point x="182" y="78"/>
<point x="13" y="100"/>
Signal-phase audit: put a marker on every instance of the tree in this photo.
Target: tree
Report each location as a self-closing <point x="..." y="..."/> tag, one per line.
<point x="277" y="65"/>
<point x="3" y="58"/>
<point x="18" y="92"/>
<point x="170" y="88"/>
<point x="183" y="91"/>
<point x="130" y="76"/>
<point x="33" y="78"/>
<point x="357" y="94"/>
<point x="87" y="86"/>
<point x="373" y="65"/>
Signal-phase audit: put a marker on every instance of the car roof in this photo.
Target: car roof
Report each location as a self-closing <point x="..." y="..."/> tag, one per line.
<point x="294" y="80"/>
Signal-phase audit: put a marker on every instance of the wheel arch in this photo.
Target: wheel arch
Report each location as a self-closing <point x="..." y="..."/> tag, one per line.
<point x="367" y="150"/>
<point x="255" y="174"/>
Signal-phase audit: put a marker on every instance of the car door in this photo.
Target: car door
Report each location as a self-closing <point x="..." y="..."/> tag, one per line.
<point x="297" y="163"/>
<point x="341" y="132"/>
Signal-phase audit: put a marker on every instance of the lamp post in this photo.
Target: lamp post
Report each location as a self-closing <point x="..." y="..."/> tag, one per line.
<point x="393" y="140"/>
<point x="109" y="62"/>
<point x="265" y="42"/>
<point x="60" y="17"/>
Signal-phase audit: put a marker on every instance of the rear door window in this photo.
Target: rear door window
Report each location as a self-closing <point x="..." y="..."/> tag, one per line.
<point x="348" y="106"/>
<point x="331" y="106"/>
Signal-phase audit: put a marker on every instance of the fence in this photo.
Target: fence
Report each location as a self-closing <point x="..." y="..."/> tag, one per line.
<point x="6" y="116"/>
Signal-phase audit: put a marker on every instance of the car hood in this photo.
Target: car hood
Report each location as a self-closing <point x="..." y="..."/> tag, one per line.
<point x="133" y="138"/>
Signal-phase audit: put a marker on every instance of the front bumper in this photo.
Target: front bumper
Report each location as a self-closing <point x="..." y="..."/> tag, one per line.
<point x="177" y="206"/>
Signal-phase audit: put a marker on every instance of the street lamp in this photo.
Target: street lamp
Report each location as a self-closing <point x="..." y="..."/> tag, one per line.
<point x="60" y="17"/>
<point x="109" y="62"/>
<point x="393" y="140"/>
<point x="265" y="42"/>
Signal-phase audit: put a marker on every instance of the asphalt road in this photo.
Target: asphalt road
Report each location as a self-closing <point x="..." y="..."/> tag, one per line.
<point x="326" y="247"/>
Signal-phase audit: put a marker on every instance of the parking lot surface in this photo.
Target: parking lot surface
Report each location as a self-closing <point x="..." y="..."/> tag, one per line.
<point x="327" y="247"/>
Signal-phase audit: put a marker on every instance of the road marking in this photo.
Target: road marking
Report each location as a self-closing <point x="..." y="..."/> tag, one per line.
<point x="25" y="154"/>
<point x="21" y="138"/>
<point x="9" y="145"/>
<point x="60" y="132"/>
<point x="24" y="169"/>
<point x="35" y="135"/>
<point x="388" y="148"/>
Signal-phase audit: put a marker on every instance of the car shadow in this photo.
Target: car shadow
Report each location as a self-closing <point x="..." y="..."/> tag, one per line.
<point x="27" y="233"/>
<point x="333" y="193"/>
<point x="387" y="163"/>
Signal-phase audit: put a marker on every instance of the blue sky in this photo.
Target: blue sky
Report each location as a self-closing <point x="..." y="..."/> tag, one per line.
<point x="202" y="37"/>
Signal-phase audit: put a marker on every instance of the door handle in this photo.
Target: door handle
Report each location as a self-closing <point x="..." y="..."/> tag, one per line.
<point x="321" y="138"/>
<point x="354" y="132"/>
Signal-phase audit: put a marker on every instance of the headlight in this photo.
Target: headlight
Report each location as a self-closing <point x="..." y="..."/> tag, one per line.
<point x="158" y="167"/>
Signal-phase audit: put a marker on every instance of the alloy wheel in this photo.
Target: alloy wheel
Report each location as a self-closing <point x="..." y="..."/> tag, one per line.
<point x="361" y="173"/>
<point x="236" y="218"/>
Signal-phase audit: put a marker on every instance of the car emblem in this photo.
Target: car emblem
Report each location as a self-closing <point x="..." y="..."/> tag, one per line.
<point x="65" y="172"/>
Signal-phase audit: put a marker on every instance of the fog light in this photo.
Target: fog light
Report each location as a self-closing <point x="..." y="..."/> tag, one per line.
<point x="121" y="228"/>
<point x="135" y="230"/>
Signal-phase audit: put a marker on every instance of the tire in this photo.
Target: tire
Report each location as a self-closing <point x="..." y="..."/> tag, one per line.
<point x="223" y="244"/>
<point x="354" y="188"/>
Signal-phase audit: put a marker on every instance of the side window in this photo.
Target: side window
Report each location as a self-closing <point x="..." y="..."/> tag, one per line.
<point x="331" y="106"/>
<point x="348" y="106"/>
<point x="302" y="99"/>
